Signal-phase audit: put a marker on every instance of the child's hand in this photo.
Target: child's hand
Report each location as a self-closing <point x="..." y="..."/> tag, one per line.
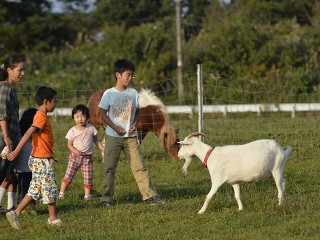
<point x="78" y="153"/>
<point x="120" y="131"/>
<point x="9" y="143"/>
<point x="12" y="155"/>
<point x="132" y="128"/>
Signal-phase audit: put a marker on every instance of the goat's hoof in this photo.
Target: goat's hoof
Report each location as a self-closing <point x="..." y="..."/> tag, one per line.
<point x="201" y="212"/>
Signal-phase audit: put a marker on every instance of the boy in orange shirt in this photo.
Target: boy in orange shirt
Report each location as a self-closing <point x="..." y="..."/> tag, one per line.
<point x="43" y="186"/>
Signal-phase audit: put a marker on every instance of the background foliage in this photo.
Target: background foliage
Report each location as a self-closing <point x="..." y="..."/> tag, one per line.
<point x="270" y="42"/>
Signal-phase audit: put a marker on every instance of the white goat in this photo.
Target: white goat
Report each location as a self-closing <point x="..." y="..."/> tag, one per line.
<point x="237" y="163"/>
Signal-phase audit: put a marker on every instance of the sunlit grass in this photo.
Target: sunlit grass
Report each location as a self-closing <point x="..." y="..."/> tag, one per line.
<point x="130" y="218"/>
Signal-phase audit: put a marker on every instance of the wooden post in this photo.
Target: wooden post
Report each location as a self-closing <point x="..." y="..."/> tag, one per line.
<point x="179" y="50"/>
<point x="200" y="100"/>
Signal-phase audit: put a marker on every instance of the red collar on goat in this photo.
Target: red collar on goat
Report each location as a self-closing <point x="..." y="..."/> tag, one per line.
<point x="206" y="158"/>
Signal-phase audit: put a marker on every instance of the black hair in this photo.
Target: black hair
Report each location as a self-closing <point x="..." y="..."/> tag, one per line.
<point x="10" y="62"/>
<point x="26" y="119"/>
<point x="81" y="108"/>
<point x="44" y="93"/>
<point x="123" y="65"/>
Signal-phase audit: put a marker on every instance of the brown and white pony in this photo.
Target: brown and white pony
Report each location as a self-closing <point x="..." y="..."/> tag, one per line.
<point x="153" y="117"/>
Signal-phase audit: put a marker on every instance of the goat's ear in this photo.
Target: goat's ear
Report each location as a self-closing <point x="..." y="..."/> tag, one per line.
<point x="185" y="142"/>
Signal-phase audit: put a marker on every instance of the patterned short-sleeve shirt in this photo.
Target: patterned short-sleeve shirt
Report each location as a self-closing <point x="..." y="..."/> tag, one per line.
<point x="121" y="108"/>
<point x="9" y="111"/>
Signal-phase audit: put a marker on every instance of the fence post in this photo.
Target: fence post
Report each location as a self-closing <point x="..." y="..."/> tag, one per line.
<point x="259" y="111"/>
<point x="225" y="111"/>
<point x="293" y="113"/>
<point x="200" y="100"/>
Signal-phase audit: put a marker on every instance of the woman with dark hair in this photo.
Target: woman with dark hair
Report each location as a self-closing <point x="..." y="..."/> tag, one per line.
<point x="12" y="71"/>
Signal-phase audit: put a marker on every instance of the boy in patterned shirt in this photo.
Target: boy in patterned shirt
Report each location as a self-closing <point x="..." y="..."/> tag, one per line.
<point x="119" y="108"/>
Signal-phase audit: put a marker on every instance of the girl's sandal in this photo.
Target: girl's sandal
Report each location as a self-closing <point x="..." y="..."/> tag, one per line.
<point x="87" y="197"/>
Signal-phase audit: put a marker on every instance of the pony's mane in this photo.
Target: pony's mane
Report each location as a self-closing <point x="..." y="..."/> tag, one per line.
<point x="147" y="98"/>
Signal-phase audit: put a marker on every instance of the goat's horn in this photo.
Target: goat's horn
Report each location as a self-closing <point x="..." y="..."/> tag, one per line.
<point x="195" y="134"/>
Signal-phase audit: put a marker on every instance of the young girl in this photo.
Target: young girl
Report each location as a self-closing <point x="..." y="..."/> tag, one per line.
<point x="80" y="142"/>
<point x="21" y="166"/>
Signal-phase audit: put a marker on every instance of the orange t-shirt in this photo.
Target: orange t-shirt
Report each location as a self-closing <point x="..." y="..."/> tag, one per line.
<point x="42" y="140"/>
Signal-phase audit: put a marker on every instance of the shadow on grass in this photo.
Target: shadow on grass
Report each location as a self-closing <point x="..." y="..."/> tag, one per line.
<point x="75" y="201"/>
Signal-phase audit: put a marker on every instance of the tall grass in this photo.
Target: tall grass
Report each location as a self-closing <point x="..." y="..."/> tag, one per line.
<point x="130" y="218"/>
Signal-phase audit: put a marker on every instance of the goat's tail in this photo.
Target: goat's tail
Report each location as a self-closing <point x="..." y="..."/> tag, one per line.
<point x="287" y="152"/>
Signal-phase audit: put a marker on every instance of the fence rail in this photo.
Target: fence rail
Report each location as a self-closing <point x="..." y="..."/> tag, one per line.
<point x="225" y="109"/>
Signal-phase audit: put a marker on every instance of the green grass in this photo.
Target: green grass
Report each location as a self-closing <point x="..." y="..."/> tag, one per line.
<point x="130" y="218"/>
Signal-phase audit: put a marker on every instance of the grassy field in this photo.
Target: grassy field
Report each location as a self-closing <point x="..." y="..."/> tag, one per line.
<point x="130" y="218"/>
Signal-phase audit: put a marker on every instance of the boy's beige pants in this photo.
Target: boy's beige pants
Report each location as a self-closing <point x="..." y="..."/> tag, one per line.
<point x="131" y="149"/>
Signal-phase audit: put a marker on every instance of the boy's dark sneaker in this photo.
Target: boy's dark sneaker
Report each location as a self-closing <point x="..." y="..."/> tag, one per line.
<point x="106" y="204"/>
<point x="156" y="200"/>
<point x="2" y="212"/>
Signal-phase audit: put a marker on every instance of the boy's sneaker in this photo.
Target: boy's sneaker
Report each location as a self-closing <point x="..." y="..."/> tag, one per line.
<point x="156" y="200"/>
<point x="56" y="222"/>
<point x="61" y="196"/>
<point x="2" y="212"/>
<point x="87" y="197"/>
<point x="106" y="204"/>
<point x="13" y="219"/>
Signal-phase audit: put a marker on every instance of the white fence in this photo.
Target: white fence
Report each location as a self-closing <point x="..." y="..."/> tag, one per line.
<point x="225" y="109"/>
<point x="258" y="108"/>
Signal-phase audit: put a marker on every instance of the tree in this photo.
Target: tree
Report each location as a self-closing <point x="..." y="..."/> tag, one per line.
<point x="29" y="25"/>
<point x="242" y="42"/>
<point x="131" y="12"/>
